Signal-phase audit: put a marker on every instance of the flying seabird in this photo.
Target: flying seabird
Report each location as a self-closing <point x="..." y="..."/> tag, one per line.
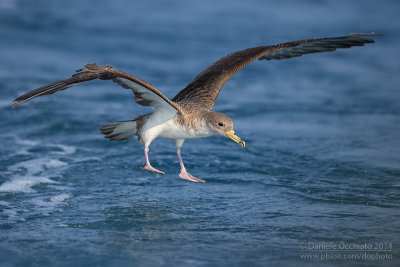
<point x="190" y="113"/>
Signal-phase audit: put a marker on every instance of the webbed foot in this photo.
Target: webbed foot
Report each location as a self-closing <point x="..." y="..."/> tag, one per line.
<point x="152" y="169"/>
<point x="187" y="176"/>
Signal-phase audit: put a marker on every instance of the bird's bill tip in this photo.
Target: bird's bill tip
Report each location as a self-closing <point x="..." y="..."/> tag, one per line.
<point x="231" y="134"/>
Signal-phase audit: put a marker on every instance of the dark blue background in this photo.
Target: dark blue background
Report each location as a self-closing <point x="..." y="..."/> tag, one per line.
<point x="322" y="133"/>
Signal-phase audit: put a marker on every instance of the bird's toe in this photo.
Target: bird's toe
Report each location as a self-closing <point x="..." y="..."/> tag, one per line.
<point x="187" y="176"/>
<point x="152" y="169"/>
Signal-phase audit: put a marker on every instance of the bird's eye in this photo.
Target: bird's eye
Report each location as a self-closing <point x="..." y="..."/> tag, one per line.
<point x="220" y="124"/>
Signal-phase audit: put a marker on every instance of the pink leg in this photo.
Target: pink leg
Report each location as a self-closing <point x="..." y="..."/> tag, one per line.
<point x="148" y="167"/>
<point x="184" y="174"/>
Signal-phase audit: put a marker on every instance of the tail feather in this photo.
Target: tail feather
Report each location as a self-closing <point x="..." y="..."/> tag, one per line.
<point x="119" y="130"/>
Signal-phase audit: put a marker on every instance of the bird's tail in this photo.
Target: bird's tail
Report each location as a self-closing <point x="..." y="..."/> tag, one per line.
<point x="119" y="130"/>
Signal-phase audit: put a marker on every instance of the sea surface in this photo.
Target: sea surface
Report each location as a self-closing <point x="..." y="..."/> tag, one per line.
<point x="320" y="174"/>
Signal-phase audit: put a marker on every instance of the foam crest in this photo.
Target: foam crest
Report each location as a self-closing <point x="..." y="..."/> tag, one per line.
<point x="53" y="163"/>
<point x="60" y="198"/>
<point x="87" y="159"/>
<point x="36" y="166"/>
<point x="4" y="203"/>
<point x="66" y="150"/>
<point x="24" y="184"/>
<point x="27" y="142"/>
<point x="32" y="168"/>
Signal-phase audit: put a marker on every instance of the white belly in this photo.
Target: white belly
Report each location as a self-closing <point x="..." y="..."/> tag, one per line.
<point x="171" y="130"/>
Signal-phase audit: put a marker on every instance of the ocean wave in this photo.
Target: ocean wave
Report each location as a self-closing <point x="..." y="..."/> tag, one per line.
<point x="35" y="166"/>
<point x="24" y="184"/>
<point x="60" y="198"/>
<point x="66" y="150"/>
<point x="27" y="144"/>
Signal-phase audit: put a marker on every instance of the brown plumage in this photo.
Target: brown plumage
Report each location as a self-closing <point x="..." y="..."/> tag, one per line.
<point x="189" y="114"/>
<point x="207" y="85"/>
<point x="91" y="72"/>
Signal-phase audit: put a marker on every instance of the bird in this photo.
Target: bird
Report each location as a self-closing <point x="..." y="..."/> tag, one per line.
<point x="190" y="113"/>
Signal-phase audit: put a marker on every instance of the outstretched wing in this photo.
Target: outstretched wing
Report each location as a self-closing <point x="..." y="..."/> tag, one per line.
<point x="145" y="93"/>
<point x="204" y="89"/>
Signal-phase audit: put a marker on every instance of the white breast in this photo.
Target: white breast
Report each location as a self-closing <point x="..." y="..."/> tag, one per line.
<point x="171" y="130"/>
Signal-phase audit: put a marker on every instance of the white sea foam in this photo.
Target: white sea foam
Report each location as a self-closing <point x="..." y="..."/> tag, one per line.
<point x="10" y="213"/>
<point x="26" y="142"/>
<point x="86" y="159"/>
<point x="4" y="203"/>
<point x="26" y="174"/>
<point x="31" y="178"/>
<point x="35" y="166"/>
<point x="42" y="203"/>
<point x="24" y="184"/>
<point x="66" y="150"/>
<point x="53" y="163"/>
<point x="25" y="145"/>
<point x="60" y="198"/>
<point x="22" y="151"/>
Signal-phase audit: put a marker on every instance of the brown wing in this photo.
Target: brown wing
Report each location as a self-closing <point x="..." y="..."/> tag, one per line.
<point x="145" y="93"/>
<point x="204" y="89"/>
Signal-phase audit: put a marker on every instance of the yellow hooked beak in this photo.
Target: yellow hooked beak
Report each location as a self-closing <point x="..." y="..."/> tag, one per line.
<point x="231" y="134"/>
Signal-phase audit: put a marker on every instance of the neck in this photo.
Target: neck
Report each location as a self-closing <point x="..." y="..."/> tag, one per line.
<point x="195" y="120"/>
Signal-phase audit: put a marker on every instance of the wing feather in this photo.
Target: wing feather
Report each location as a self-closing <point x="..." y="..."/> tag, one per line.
<point x="145" y="93"/>
<point x="205" y="87"/>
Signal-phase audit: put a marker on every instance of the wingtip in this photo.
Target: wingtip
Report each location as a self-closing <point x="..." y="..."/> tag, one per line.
<point x="16" y="103"/>
<point x="366" y="34"/>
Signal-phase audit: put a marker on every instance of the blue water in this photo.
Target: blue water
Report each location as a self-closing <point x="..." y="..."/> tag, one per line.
<point x="322" y="162"/>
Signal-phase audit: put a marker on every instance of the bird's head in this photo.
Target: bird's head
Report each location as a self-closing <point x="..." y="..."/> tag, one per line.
<point x="223" y="125"/>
